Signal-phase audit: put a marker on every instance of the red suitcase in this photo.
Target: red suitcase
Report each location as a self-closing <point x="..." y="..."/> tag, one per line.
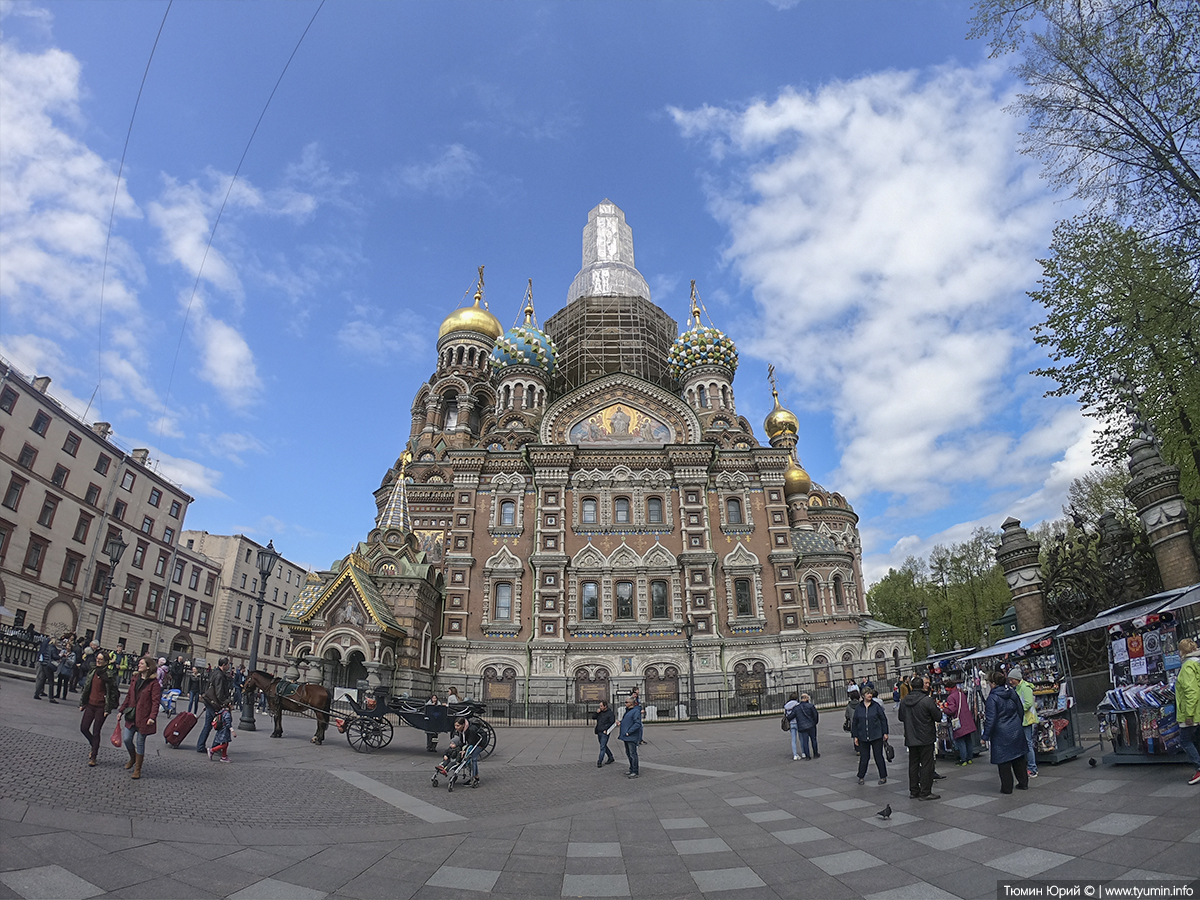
<point x="179" y="728"/>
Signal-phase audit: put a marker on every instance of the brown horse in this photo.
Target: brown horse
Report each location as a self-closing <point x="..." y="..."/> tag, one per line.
<point x="307" y="698"/>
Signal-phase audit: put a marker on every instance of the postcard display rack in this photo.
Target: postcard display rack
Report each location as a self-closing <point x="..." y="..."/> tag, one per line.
<point x="1138" y="715"/>
<point x="1044" y="665"/>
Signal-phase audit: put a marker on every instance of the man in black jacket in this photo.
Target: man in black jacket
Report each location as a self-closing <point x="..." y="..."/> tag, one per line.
<point x="605" y="719"/>
<point x="47" y="667"/>
<point x="215" y="698"/>
<point x="920" y="715"/>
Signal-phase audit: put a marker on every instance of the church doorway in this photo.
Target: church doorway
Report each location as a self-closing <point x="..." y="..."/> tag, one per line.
<point x="591" y="686"/>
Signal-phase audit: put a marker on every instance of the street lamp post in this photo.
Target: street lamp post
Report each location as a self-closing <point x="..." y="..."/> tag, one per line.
<point x="267" y="557"/>
<point x="689" y="629"/>
<point x="924" y="611"/>
<point x="113" y="549"/>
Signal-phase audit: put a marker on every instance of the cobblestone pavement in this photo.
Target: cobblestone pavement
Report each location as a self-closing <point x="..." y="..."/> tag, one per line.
<point x="719" y="809"/>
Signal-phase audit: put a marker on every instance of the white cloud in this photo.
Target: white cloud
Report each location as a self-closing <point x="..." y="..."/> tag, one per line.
<point x="450" y="175"/>
<point x="366" y="338"/>
<point x="232" y="445"/>
<point x="888" y="230"/>
<point x="197" y="479"/>
<point x="226" y="360"/>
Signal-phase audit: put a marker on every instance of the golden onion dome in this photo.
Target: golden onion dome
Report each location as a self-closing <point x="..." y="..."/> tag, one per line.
<point x="472" y="318"/>
<point x="780" y="421"/>
<point x="795" y="479"/>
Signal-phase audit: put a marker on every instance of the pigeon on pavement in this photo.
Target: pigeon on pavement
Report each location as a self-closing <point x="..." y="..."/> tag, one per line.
<point x="886" y="812"/>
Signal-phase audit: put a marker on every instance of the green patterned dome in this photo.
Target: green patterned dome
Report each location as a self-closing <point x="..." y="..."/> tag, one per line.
<point x="702" y="345"/>
<point x="525" y="344"/>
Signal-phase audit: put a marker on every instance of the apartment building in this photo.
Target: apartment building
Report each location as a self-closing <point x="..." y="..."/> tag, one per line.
<point x="236" y="557"/>
<point x="68" y="491"/>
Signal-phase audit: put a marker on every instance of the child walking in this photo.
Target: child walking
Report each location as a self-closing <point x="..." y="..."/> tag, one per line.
<point x="222" y="733"/>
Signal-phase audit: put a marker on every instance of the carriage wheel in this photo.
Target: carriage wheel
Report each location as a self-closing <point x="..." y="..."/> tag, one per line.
<point x="380" y="735"/>
<point x="489" y="743"/>
<point x="358" y="734"/>
<point x="433" y="780"/>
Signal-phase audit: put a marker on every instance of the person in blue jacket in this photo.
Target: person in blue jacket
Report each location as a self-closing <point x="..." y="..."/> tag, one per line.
<point x="1002" y="729"/>
<point x="631" y="734"/>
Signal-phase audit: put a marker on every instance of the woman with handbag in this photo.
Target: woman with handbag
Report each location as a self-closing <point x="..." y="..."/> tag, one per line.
<point x="962" y="723"/>
<point x="1003" y="730"/>
<point x="140" y="707"/>
<point x="99" y="697"/>
<point x="870" y="731"/>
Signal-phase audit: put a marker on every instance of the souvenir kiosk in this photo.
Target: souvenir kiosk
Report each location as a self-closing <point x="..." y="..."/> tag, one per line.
<point x="1043" y="661"/>
<point x="944" y="668"/>
<point x="1137" y="717"/>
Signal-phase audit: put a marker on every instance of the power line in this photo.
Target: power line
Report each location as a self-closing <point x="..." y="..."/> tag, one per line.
<point x="217" y="221"/>
<point x="112" y="215"/>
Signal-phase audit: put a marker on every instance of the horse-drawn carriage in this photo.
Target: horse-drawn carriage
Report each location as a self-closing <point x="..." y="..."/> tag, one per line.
<point x="369" y="729"/>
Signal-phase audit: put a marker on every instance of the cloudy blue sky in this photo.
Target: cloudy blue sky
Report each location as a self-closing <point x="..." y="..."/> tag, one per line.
<point x="840" y="179"/>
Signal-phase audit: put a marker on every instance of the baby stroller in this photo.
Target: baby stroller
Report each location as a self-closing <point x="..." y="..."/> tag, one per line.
<point x="457" y="766"/>
<point x="167" y="701"/>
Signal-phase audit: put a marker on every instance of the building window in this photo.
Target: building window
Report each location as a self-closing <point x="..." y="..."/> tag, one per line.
<point x="741" y="593"/>
<point x="271" y="624"/>
<point x="119" y="510"/>
<point x="245" y="638"/>
<point x="654" y="511"/>
<point x="82" y="527"/>
<point x="168" y="535"/>
<point x="188" y="606"/>
<point x="40" y="423"/>
<point x="254" y="585"/>
<point x="70" y="573"/>
<point x="279" y="646"/>
<point x="233" y="636"/>
<point x="238" y="613"/>
<point x="46" y="516"/>
<point x="26" y="457"/>
<point x="177" y="575"/>
<point x="621" y="511"/>
<point x="839" y="596"/>
<point x="8" y="399"/>
<point x="194" y="579"/>
<point x="139" y="554"/>
<point x="209" y="583"/>
<point x="152" y="600"/>
<point x="172" y="602"/>
<point x="733" y="511"/>
<point x="275" y="598"/>
<point x="12" y="497"/>
<point x="59" y="478"/>
<point x="624" y="599"/>
<point x="503" y="601"/>
<point x="35" y="554"/>
<point x="99" y="580"/>
<point x="147" y="525"/>
<point x="810" y="590"/>
<point x="127" y="481"/>
<point x="589" y="511"/>
<point x="155" y="496"/>
<point x="92" y="498"/>
<point x="658" y="599"/>
<point x="175" y="508"/>
<point x="590" y="600"/>
<point x="130" y="594"/>
<point x="248" y="552"/>
<point x="202" y="617"/>
<point x="102" y="462"/>
<point x="161" y="565"/>
<point x="508" y="513"/>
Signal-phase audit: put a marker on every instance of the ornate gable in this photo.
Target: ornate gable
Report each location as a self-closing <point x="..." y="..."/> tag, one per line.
<point x="620" y="411"/>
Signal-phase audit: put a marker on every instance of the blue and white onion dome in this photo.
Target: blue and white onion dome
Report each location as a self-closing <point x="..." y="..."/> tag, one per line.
<point x="701" y="345"/>
<point x="525" y="345"/>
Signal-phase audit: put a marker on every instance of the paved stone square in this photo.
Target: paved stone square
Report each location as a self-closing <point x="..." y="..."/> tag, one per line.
<point x="721" y="810"/>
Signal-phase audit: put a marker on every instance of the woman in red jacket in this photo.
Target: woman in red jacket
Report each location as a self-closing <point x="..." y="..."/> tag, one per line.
<point x="140" y="707"/>
<point x="957" y="707"/>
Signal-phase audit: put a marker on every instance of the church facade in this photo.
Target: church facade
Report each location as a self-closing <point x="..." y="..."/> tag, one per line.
<point x="572" y="496"/>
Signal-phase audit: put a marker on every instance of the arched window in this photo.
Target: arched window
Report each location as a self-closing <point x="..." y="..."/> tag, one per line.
<point x="741" y="593"/>
<point x="847" y="667"/>
<point x="460" y="355"/>
<point x="589" y="511"/>
<point x="471" y="356"/>
<point x="733" y="511"/>
<point x="810" y="591"/>
<point x="451" y="420"/>
<point x="589" y="601"/>
<point x="426" y="647"/>
<point x="658" y="599"/>
<point x="702" y="395"/>
<point x="506" y="403"/>
<point x="821" y="671"/>
<point x="503" y="601"/>
<point x="621" y="511"/>
<point x="724" y="397"/>
<point x="508" y="512"/>
<point x="654" y="511"/>
<point x="839" y="596"/>
<point x="624" y="599"/>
